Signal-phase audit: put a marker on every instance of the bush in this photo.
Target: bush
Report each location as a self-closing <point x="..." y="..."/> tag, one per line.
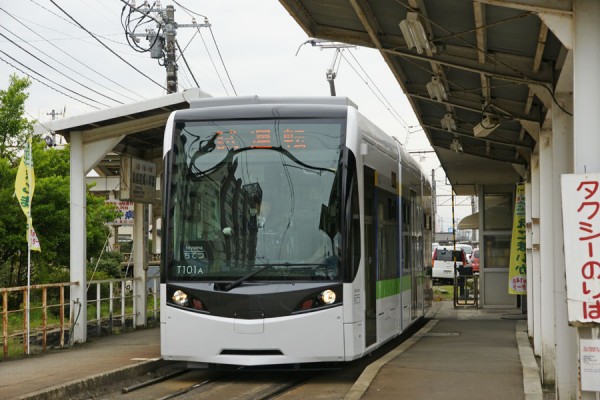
<point x="109" y="265"/>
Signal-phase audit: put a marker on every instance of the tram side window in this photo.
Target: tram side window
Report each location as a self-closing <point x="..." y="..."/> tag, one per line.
<point x="388" y="238"/>
<point x="355" y="244"/>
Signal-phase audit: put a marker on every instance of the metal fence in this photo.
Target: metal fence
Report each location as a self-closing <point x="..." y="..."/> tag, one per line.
<point x="110" y="309"/>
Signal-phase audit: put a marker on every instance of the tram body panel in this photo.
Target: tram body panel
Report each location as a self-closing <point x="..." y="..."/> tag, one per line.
<point x="382" y="276"/>
<point x="305" y="338"/>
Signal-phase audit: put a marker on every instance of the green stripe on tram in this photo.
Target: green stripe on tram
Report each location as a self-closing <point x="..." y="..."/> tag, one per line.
<point x="391" y="287"/>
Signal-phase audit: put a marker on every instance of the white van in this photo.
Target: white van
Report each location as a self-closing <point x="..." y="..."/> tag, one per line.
<point x="444" y="258"/>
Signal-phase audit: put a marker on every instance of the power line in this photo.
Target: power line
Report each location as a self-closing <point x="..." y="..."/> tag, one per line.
<point x="190" y="12"/>
<point x="43" y="83"/>
<point x="75" y="59"/>
<point x="60" y="72"/>
<point x="105" y="46"/>
<point x="71" y="23"/>
<point x="213" y="63"/>
<point x="186" y="64"/>
<point x="58" y="84"/>
<point x="222" y="62"/>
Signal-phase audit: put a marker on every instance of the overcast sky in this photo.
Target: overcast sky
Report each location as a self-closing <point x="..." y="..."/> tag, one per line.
<point x="260" y="44"/>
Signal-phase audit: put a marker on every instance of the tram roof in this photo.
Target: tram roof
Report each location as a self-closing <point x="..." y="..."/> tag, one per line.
<point x="492" y="56"/>
<point x="245" y="100"/>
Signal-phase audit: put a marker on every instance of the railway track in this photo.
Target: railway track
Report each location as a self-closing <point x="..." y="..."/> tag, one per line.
<point x="184" y="384"/>
<point x="176" y="382"/>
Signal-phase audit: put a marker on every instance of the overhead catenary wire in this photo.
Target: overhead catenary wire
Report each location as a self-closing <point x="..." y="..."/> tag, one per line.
<point x="105" y="46"/>
<point x="389" y="106"/>
<point x="400" y="120"/>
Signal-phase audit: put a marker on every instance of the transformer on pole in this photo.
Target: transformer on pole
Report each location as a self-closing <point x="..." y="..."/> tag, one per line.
<point x="162" y="40"/>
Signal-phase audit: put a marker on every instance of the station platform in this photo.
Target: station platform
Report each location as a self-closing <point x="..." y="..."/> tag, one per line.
<point x="460" y="353"/>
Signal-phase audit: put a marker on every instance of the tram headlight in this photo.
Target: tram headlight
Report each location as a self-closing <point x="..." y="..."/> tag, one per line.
<point x="327" y="296"/>
<point x="320" y="299"/>
<point x="180" y="298"/>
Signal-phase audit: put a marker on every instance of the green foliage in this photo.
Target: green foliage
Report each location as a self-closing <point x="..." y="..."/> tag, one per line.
<point x="12" y="220"/>
<point x="15" y="128"/>
<point x="49" y="206"/>
<point x="109" y="266"/>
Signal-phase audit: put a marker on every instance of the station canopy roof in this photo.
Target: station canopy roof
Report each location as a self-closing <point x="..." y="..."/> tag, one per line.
<point x="142" y="124"/>
<point x="479" y="75"/>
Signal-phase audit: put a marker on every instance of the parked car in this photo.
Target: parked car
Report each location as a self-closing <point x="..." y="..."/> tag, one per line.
<point x="434" y="246"/>
<point x="475" y="260"/>
<point x="468" y="250"/>
<point x="443" y="262"/>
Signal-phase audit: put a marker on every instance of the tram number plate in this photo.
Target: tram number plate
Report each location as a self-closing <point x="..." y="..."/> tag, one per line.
<point x="188" y="270"/>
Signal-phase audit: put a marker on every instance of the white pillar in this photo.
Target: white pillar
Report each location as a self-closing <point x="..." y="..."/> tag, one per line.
<point x="566" y="383"/>
<point x="154" y="216"/>
<point x="140" y="261"/>
<point x="547" y="258"/>
<point x="529" y="257"/>
<point x="78" y="235"/>
<point x="586" y="91"/>
<point x="586" y="97"/>
<point x="536" y="261"/>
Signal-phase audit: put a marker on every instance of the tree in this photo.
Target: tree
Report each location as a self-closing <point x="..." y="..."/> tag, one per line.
<point x="14" y="127"/>
<point x="50" y="203"/>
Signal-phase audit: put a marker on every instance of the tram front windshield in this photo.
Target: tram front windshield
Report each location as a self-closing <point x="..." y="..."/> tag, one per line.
<point x="254" y="195"/>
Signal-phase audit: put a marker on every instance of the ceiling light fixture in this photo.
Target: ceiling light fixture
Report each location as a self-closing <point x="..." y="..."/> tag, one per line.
<point x="414" y="33"/>
<point x="486" y="126"/>
<point x="448" y="123"/>
<point x="436" y="89"/>
<point x="456" y="146"/>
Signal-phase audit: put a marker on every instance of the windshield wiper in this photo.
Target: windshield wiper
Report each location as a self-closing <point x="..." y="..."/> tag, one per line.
<point x="264" y="267"/>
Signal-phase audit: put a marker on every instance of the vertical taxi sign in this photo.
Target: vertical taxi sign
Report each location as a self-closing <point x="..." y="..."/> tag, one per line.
<point x="581" y="229"/>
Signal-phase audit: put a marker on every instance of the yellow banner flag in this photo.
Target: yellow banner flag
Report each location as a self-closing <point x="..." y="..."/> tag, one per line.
<point x="24" y="188"/>
<point x="25" y="182"/>
<point x="517" y="274"/>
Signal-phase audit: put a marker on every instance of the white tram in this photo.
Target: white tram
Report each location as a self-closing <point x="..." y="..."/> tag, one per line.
<point x="295" y="231"/>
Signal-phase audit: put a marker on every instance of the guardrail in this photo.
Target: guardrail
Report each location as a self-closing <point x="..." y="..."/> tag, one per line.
<point x="466" y="288"/>
<point x="110" y="309"/>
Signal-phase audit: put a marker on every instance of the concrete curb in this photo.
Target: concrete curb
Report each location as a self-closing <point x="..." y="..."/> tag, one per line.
<point x="91" y="384"/>
<point x="531" y="373"/>
<point x="363" y="382"/>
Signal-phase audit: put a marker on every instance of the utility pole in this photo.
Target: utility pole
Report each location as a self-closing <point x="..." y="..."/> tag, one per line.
<point x="54" y="113"/>
<point x="170" y="61"/>
<point x="51" y="142"/>
<point x="163" y="40"/>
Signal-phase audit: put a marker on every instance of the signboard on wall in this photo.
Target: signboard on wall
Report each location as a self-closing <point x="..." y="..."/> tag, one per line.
<point x="126" y="209"/>
<point x="581" y="229"/>
<point x="589" y="356"/>
<point x="138" y="180"/>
